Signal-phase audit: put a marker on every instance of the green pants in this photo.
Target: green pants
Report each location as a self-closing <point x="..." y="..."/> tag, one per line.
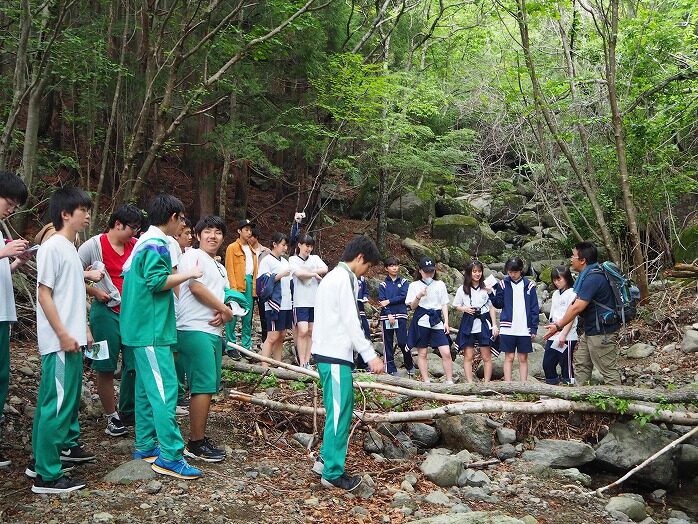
<point x="246" y="339"/>
<point x="4" y="363"/>
<point x="156" y="402"/>
<point x="56" y="424"/>
<point x="600" y="352"/>
<point x="105" y="326"/>
<point x="200" y="355"/>
<point x="181" y="375"/>
<point x="338" y="397"/>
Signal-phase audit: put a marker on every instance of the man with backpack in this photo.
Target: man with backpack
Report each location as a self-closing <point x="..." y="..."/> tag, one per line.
<point x="597" y="306"/>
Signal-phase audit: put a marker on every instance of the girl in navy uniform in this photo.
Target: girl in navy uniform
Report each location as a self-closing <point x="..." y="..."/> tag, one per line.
<point x="392" y="293"/>
<point x="560" y="348"/>
<point x="429" y="327"/>
<point x="516" y="297"/>
<point x="479" y="323"/>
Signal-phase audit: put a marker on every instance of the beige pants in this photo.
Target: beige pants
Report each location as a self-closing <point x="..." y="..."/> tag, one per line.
<point x="600" y="352"/>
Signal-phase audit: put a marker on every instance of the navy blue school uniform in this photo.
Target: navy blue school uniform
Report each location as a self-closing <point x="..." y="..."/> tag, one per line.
<point x="475" y="330"/>
<point x="396" y="292"/>
<point x="517" y="324"/>
<point x="361" y="299"/>
<point x="427" y="326"/>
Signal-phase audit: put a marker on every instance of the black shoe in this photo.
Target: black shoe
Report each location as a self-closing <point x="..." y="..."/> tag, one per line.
<point x="4" y="461"/>
<point x="30" y="471"/>
<point x="183" y="402"/>
<point x="115" y="427"/>
<point x="61" y="485"/>
<point x="345" y="482"/>
<point x="128" y="420"/>
<point x="213" y="446"/>
<point x="234" y="354"/>
<point x="200" y="449"/>
<point x="76" y="454"/>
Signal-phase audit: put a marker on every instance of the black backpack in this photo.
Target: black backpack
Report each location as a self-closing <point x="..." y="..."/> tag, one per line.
<point x="626" y="296"/>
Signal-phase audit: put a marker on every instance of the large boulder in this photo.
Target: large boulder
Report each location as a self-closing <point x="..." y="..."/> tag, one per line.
<point x="468" y="432"/>
<point x="455" y="229"/>
<point x="416" y="249"/>
<point x="542" y="249"/>
<point x="640" y="350"/>
<point x="400" y="227"/>
<point x="474" y="517"/>
<point x="454" y="206"/>
<point x="423" y="435"/>
<point x="482" y="204"/>
<point x="505" y="208"/>
<point x="443" y="470"/>
<point x="631" y="507"/>
<point x="527" y="221"/>
<point x="365" y="201"/>
<point x="560" y="453"/>
<point x="412" y="208"/>
<point x="689" y="344"/>
<point x="129" y="472"/>
<point x="535" y="365"/>
<point x="487" y="243"/>
<point x="686" y="246"/>
<point x="627" y="444"/>
<point x="458" y="257"/>
<point x="688" y="460"/>
<point x="451" y="277"/>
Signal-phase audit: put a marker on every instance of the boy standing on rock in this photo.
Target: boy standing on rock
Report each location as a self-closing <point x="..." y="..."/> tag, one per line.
<point x="337" y="333"/>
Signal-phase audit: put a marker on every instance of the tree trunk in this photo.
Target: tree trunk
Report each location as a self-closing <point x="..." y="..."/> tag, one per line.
<point x="382" y="226"/>
<point x="241" y="180"/>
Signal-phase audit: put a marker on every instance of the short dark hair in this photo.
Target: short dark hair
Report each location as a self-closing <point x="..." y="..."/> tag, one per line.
<point x="514" y="264"/>
<point x="255" y="233"/>
<point x="189" y="224"/>
<point x="66" y="199"/>
<point x="562" y="272"/>
<point x="161" y="207"/>
<point x="306" y="239"/>
<point x="11" y="186"/>
<point x="468" y="275"/>
<point x="127" y="214"/>
<point x="212" y="221"/>
<point x="587" y="251"/>
<point x="391" y="261"/>
<point x="361" y="245"/>
<point x="277" y="238"/>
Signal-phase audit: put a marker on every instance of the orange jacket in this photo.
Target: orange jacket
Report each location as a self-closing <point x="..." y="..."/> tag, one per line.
<point x="235" y="267"/>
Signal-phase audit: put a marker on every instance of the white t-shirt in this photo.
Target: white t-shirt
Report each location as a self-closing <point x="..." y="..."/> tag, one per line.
<point x="192" y="315"/>
<point x="562" y="301"/>
<point x="436" y="298"/>
<point x="271" y="264"/>
<point x="304" y="289"/>
<point x="58" y="266"/>
<point x="8" y="313"/>
<point x="175" y="251"/>
<point x="478" y="299"/>
<point x="249" y="261"/>
<point x="519" y="321"/>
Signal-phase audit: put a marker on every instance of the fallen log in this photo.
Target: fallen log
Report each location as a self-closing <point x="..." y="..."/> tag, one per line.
<point x="688" y="395"/>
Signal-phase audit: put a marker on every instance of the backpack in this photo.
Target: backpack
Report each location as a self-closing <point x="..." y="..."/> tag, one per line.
<point x="626" y="296"/>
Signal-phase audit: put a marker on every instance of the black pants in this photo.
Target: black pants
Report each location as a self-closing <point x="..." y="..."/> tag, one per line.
<point x="260" y="309"/>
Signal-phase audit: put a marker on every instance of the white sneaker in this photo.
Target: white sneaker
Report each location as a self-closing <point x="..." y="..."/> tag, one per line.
<point x="448" y="382"/>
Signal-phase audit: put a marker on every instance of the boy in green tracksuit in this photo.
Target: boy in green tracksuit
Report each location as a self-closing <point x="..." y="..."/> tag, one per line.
<point x="148" y="326"/>
<point x="61" y="325"/>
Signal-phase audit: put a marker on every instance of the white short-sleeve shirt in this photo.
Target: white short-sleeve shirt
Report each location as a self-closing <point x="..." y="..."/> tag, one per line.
<point x="305" y="289"/>
<point x="436" y="298"/>
<point x="58" y="267"/>
<point x="8" y="312"/>
<point x="192" y="315"/>
<point x="562" y="301"/>
<point x="478" y="299"/>
<point x="519" y="320"/>
<point x="271" y="264"/>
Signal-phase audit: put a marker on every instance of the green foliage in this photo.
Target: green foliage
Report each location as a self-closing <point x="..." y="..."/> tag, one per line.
<point x="239" y="377"/>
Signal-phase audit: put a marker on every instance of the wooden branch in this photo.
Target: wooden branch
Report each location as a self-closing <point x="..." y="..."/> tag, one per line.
<point x="683" y="75"/>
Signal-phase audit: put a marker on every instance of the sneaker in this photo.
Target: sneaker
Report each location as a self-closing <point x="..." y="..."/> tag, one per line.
<point x="128" y="420"/>
<point x="213" y="446"/>
<point x="30" y="471"/>
<point x="175" y="468"/>
<point x="181" y="411"/>
<point x="448" y="382"/>
<point x="149" y="455"/>
<point x="234" y="354"/>
<point x="184" y="402"/>
<point x="345" y="482"/>
<point x="4" y="461"/>
<point x="61" y="485"/>
<point x="319" y="466"/>
<point x="202" y="450"/>
<point x="76" y="454"/>
<point x="410" y="373"/>
<point x="115" y="427"/>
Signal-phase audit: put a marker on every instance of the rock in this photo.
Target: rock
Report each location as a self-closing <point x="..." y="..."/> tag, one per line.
<point x="373" y="442"/>
<point x="506" y="435"/>
<point x="468" y="432"/>
<point x="129" y="472"/>
<point x="627" y="444"/>
<point x="481" y="203"/>
<point x="688" y="460"/>
<point x="123" y="447"/>
<point x="560" y="453"/>
<point x="689" y="344"/>
<point x="505" y="208"/>
<point x="359" y="510"/>
<point x="526" y="221"/>
<point x="529" y="519"/>
<point x="535" y="364"/>
<point x="460" y="508"/>
<point x="654" y="367"/>
<point x="453" y="206"/>
<point x="634" y="509"/>
<point x="153" y="487"/>
<point x="575" y="475"/>
<point x="416" y="249"/>
<point x="676" y="514"/>
<point x="424" y="436"/>
<point x="474" y="493"/>
<point x="686" y="246"/>
<point x="487" y="243"/>
<point x="640" y="350"/>
<point x="458" y="257"/>
<point x="442" y="470"/>
<point x="401" y="228"/>
<point x="474" y="478"/>
<point x="542" y="249"/>
<point x="102" y="516"/>
<point x="474" y="517"/>
<point x="658" y="496"/>
<point x="406" y="487"/>
<point x="312" y="501"/>
<point x="437" y="497"/>
<point x="411" y="479"/>
<point x="366" y="489"/>
<point x="669" y="348"/>
<point x="505" y="451"/>
<point x="673" y="520"/>
<point x="26" y="371"/>
<point x="412" y="208"/>
<point x="455" y="229"/>
<point x="304" y="439"/>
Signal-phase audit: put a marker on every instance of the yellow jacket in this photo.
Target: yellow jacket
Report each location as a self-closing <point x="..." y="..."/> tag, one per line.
<point x="235" y="267"/>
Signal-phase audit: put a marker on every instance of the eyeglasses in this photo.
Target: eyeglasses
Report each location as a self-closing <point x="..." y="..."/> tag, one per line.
<point x="11" y="203"/>
<point x="574" y="257"/>
<point x="135" y="229"/>
<point x="182" y="218"/>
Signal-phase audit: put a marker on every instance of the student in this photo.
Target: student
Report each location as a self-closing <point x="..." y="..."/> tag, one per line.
<point x="560" y="348"/>
<point x="61" y="326"/>
<point x="13" y="193"/>
<point x="307" y="270"/>
<point x="202" y="315"/>
<point x="260" y="252"/>
<point x="241" y="265"/>
<point x="428" y="298"/>
<point x="476" y="329"/>
<point x="336" y="335"/>
<point x="112" y="249"/>
<point x="516" y="297"/>
<point x="148" y="326"/>
<point x="392" y="293"/>
<point x="361" y="299"/>
<point x="184" y="238"/>
<point x="275" y="271"/>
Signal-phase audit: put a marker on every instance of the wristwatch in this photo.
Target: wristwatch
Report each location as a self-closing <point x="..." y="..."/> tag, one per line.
<point x="557" y="327"/>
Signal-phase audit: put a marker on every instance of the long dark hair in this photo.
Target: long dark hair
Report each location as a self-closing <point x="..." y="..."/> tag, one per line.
<point x="468" y="275"/>
<point x="562" y="272"/>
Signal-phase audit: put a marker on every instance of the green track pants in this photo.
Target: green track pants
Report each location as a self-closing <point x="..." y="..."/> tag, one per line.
<point x="246" y="338"/>
<point x="156" y="402"/>
<point x="56" y="424"/>
<point x="338" y="397"/>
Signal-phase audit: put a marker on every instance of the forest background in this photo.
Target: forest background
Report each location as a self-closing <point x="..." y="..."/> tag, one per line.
<point x="593" y="103"/>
